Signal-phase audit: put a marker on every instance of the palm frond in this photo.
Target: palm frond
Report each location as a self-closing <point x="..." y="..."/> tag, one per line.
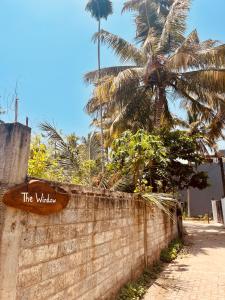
<point x="167" y="119"/>
<point x="210" y="80"/>
<point x="148" y="18"/>
<point x="52" y="134"/>
<point x="185" y="55"/>
<point x="213" y="57"/>
<point x="193" y="55"/>
<point x="66" y="148"/>
<point x="90" y="147"/>
<point x="126" y="83"/>
<point x="124" y="184"/>
<point x="150" y="44"/>
<point x="131" y="5"/>
<point x="92" y="77"/>
<point x="216" y="127"/>
<point x="135" y="114"/>
<point x="173" y="31"/>
<point x="191" y="100"/>
<point x="163" y="201"/>
<point x="101" y="96"/>
<point x="124" y="50"/>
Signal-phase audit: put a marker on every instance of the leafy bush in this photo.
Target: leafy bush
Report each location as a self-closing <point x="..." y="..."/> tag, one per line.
<point x="162" y="162"/>
<point x="169" y="254"/>
<point x="136" y="290"/>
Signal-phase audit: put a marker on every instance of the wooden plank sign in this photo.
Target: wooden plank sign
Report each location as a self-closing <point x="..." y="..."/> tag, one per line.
<point x="37" y="197"/>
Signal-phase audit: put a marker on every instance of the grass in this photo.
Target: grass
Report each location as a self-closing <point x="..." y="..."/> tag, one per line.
<point x="137" y="289"/>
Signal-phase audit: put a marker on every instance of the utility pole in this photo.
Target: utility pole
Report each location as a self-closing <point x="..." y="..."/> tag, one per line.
<point x="16" y="109"/>
<point x="16" y="104"/>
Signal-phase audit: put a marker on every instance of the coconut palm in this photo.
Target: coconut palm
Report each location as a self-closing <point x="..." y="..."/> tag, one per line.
<point x="165" y="66"/>
<point x="77" y="157"/>
<point x="100" y="9"/>
<point x="66" y="147"/>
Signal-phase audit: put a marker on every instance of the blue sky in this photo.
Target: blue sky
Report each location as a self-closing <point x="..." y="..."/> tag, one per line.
<point x="46" y="48"/>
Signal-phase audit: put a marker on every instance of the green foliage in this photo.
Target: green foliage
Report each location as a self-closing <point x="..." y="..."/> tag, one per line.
<point x="169" y="254"/>
<point x="161" y="162"/>
<point x="134" y="153"/>
<point x="64" y="158"/>
<point x="42" y="163"/>
<point x="136" y="290"/>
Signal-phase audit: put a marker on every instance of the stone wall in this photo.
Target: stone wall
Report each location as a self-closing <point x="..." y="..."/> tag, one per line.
<point x="88" y="251"/>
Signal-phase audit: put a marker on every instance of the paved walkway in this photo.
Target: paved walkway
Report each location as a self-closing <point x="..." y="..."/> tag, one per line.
<point x="199" y="274"/>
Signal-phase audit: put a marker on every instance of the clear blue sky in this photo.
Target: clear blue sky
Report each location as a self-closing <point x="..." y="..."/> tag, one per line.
<point x="46" y="48"/>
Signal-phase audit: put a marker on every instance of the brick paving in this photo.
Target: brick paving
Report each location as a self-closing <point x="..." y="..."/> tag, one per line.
<point x="199" y="274"/>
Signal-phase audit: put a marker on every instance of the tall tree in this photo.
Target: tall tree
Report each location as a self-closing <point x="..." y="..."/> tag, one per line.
<point x="166" y="65"/>
<point x="100" y="9"/>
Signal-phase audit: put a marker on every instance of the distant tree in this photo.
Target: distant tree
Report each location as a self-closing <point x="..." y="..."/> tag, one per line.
<point x="100" y="9"/>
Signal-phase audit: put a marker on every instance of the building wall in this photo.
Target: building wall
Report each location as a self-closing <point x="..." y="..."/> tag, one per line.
<point x="200" y="200"/>
<point x="88" y="251"/>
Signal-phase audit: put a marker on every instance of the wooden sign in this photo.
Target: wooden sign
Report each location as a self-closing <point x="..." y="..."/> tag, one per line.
<point x="37" y="197"/>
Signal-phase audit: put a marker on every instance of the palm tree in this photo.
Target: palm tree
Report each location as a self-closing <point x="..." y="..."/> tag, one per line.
<point x="73" y="154"/>
<point x="100" y="9"/>
<point x="165" y="66"/>
<point x="66" y="148"/>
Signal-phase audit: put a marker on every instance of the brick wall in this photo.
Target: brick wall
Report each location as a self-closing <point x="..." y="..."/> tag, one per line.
<point x="88" y="251"/>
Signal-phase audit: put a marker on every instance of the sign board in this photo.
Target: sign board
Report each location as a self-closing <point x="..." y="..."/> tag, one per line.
<point x="37" y="197"/>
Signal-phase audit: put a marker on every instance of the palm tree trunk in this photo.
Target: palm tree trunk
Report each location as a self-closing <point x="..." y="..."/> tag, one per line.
<point x="101" y="110"/>
<point x="89" y="158"/>
<point x="159" y="106"/>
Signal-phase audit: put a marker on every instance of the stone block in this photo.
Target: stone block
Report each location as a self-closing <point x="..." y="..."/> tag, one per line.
<point x="29" y="277"/>
<point x="68" y="247"/>
<point x="41" y="291"/>
<point x="37" y="255"/>
<point x="56" y="267"/>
